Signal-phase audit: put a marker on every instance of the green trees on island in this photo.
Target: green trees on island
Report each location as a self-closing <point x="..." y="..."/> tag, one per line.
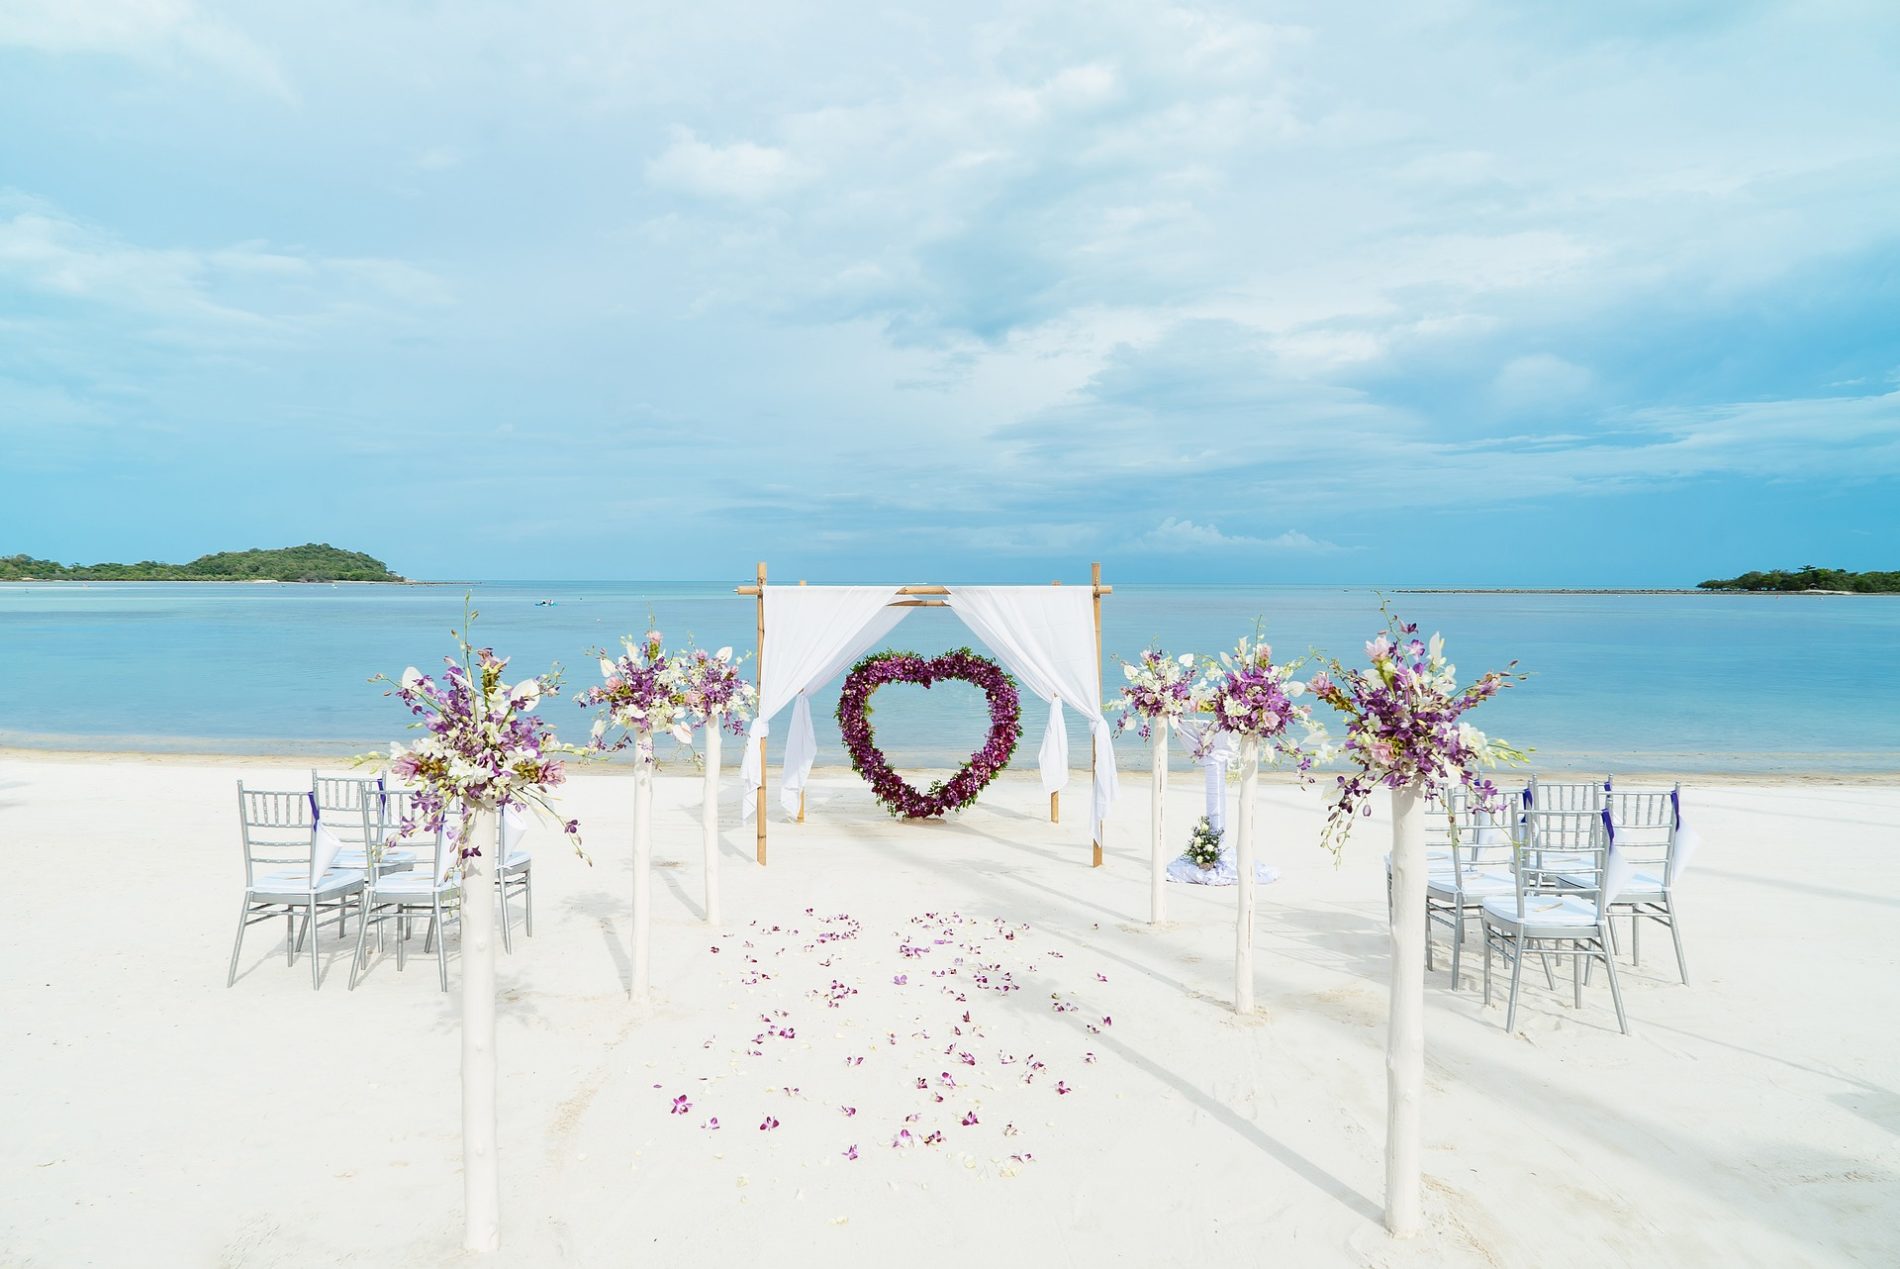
<point x="312" y="562"/>
<point x="1810" y="577"/>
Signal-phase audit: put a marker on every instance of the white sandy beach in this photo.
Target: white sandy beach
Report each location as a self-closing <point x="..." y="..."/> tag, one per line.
<point x="152" y="1116"/>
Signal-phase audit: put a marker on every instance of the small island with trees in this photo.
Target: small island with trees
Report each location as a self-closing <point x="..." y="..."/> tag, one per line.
<point x="1810" y="578"/>
<point x="312" y="562"/>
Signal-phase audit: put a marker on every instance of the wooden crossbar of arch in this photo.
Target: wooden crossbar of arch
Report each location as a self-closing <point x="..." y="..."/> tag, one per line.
<point x="916" y="597"/>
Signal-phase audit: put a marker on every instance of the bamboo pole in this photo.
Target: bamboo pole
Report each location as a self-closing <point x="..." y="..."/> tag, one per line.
<point x="1055" y="798"/>
<point x="1405" y="1037"/>
<point x="481" y="1173"/>
<point x="642" y="866"/>
<point x="1157" y="846"/>
<point x="1095" y="581"/>
<point x="709" y="814"/>
<point x="1243" y="884"/>
<point x="759" y="590"/>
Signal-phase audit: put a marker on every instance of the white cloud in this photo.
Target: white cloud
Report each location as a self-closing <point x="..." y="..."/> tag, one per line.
<point x="1186" y="535"/>
<point x="158" y="31"/>
<point x="241" y="288"/>
<point x="742" y="170"/>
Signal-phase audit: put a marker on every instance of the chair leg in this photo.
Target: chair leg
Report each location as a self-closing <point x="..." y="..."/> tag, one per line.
<point x="527" y="901"/>
<point x="1457" y="944"/>
<point x="1429" y="967"/>
<point x="244" y="915"/>
<point x="1636" y="934"/>
<point x="1484" y="932"/>
<point x="507" y="931"/>
<point x="1616" y="992"/>
<point x="1675" y="932"/>
<point x="356" y="962"/>
<point x="1577" y="959"/>
<point x="1550" y="979"/>
<point x="1517" y="972"/>
<point x="402" y="939"/>
<point x="310" y="923"/>
<point x="441" y="948"/>
<point x="290" y="937"/>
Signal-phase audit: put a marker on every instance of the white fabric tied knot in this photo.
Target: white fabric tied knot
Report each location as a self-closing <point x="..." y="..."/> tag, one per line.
<point x="1215" y="751"/>
<point x="1045" y="635"/>
<point x="817" y="631"/>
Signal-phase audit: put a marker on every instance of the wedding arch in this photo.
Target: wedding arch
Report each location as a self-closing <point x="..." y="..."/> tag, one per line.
<point x="1049" y="637"/>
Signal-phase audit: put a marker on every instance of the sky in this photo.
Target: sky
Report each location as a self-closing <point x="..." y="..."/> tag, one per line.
<point x="1461" y="293"/>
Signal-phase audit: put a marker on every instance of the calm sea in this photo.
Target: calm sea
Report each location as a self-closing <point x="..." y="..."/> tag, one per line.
<point x="1694" y="683"/>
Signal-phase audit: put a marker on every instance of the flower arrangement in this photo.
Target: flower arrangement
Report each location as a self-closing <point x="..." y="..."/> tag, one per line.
<point x="1250" y="695"/>
<point x="961" y="789"/>
<point x="641" y="693"/>
<point x="709" y="683"/>
<point x="1203" y="848"/>
<point x="1405" y="724"/>
<point x="1160" y="689"/>
<point x="482" y="747"/>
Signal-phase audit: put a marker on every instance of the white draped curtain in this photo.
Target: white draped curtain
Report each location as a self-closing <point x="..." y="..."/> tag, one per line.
<point x="813" y="633"/>
<point x="1045" y="635"/>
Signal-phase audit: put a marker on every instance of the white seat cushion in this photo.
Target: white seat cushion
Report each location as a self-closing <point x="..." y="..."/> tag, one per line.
<point x="1639" y="883"/>
<point x="295" y="883"/>
<point x="411" y="885"/>
<point x="1542" y="911"/>
<point x="1478" y="883"/>
<point x="518" y="859"/>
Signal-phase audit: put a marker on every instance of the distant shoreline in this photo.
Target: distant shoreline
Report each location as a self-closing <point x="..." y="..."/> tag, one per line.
<point x="1606" y="590"/>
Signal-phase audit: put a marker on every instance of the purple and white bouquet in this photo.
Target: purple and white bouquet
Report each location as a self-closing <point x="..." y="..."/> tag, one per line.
<point x="482" y="747"/>
<point x="1250" y="695"/>
<point x="1405" y="725"/>
<point x="1160" y="689"/>
<point x="640" y="692"/>
<point x="710" y="684"/>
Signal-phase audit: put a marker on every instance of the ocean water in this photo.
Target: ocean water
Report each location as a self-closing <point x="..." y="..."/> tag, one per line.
<point x="1689" y="683"/>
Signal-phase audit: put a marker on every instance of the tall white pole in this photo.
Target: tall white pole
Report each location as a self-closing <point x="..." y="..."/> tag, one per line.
<point x="481" y="1174"/>
<point x="642" y="864"/>
<point x="1405" y="1041"/>
<point x="1157" y="847"/>
<point x="1243" y="885"/>
<point x="709" y="816"/>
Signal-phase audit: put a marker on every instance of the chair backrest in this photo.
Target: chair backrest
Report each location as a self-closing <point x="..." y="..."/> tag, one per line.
<point x="350" y="805"/>
<point x="1564" y="853"/>
<point x="1646" y="820"/>
<point x="1473" y="835"/>
<point x="276" y="827"/>
<point x="1566" y="795"/>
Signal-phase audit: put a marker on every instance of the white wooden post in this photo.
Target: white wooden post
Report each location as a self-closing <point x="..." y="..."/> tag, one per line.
<point x="709" y="816"/>
<point x="1405" y="1039"/>
<point x="1157" y="848"/>
<point x="1243" y="884"/>
<point x="481" y="1175"/>
<point x="642" y="864"/>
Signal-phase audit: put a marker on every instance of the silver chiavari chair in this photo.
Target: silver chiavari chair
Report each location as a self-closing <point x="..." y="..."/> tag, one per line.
<point x="1648" y="824"/>
<point x="289" y="867"/>
<point x="1566" y="881"/>
<point x="514" y="872"/>
<point x="1479" y="847"/>
<point x="435" y="890"/>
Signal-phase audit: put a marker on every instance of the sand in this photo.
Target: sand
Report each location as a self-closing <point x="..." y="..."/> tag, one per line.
<point x="152" y="1116"/>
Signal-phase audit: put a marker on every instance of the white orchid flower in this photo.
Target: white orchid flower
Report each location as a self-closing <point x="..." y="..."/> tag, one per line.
<point x="606" y="668"/>
<point x="411" y="677"/>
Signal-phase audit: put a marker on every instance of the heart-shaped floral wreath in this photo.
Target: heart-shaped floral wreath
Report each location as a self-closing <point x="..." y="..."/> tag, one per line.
<point x="897" y="794"/>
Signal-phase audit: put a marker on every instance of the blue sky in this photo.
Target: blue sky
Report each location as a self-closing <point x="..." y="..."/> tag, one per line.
<point x="1457" y="292"/>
